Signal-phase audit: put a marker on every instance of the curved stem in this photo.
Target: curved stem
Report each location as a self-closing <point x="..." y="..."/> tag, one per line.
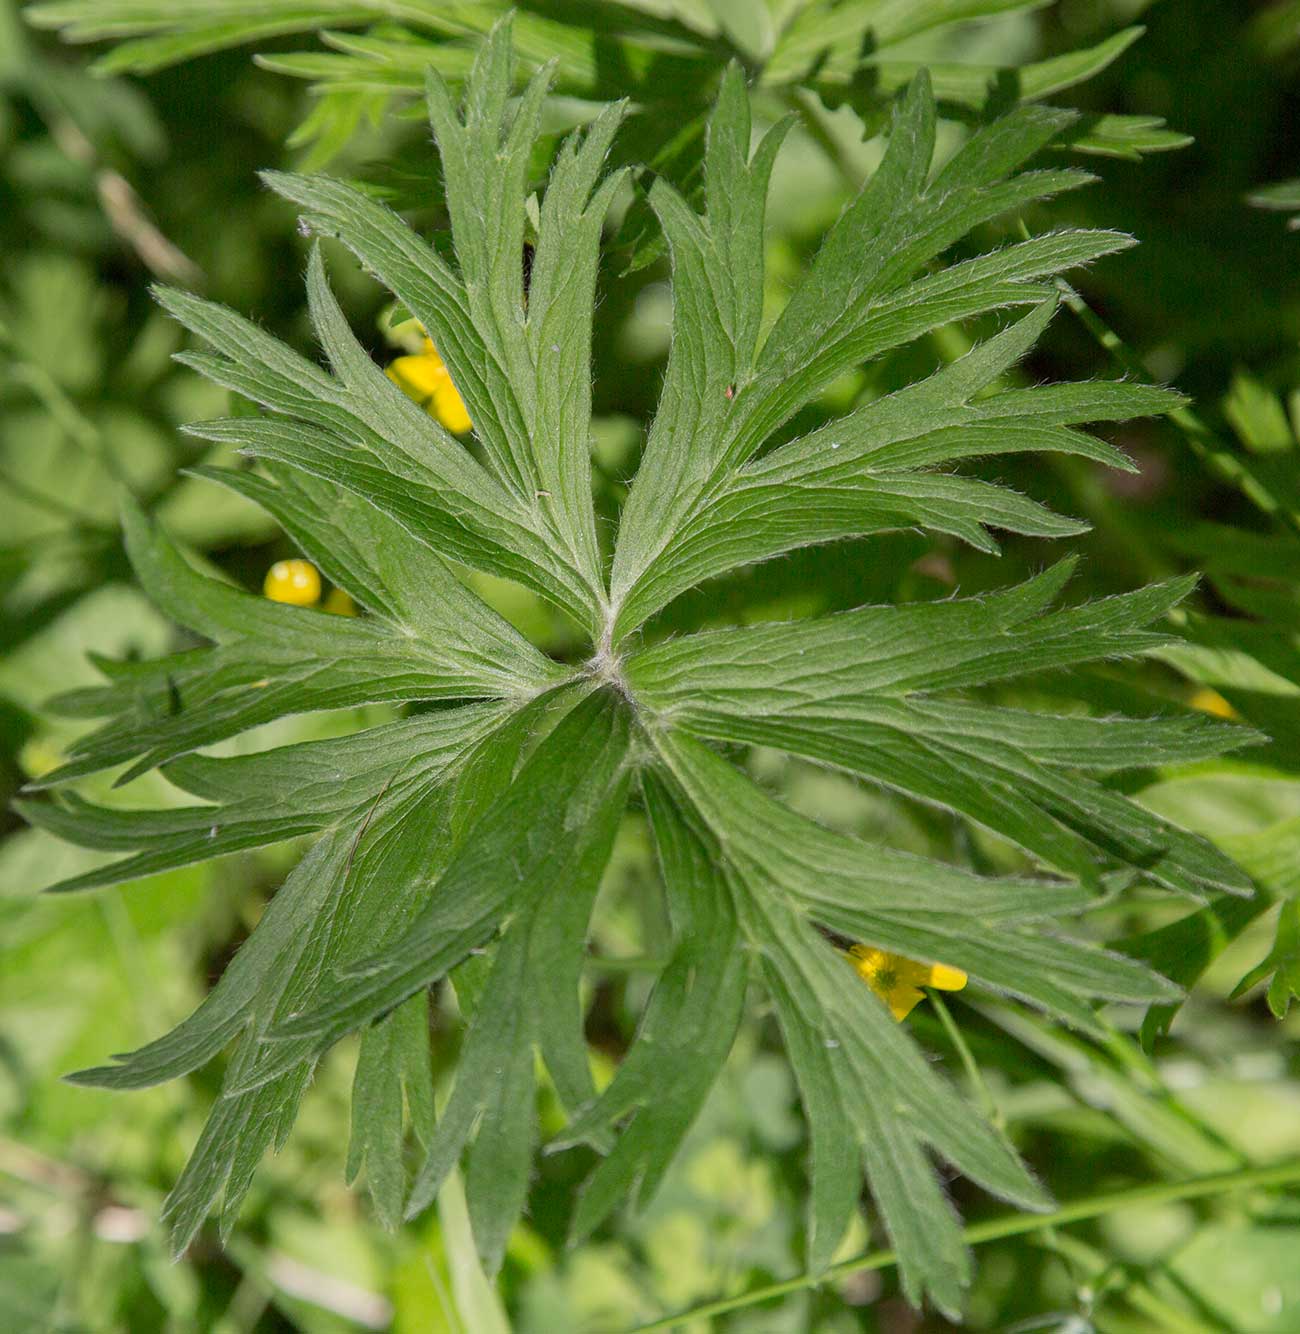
<point x="1227" y="464"/>
<point x="1011" y="1225"/>
<point x="804" y="104"/>
<point x="988" y="1103"/>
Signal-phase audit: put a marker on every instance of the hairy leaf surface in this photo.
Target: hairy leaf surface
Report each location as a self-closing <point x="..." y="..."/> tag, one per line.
<point x="463" y="845"/>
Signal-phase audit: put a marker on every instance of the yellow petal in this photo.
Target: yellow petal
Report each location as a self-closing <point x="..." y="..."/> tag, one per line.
<point x="449" y="407"/>
<point x="1210" y="701"/>
<point x="293" y="581"/>
<point x="868" y="962"/>
<point x="902" y="1001"/>
<point x="944" y="978"/>
<point x="885" y="974"/>
<point x="419" y="377"/>
<point x="884" y="971"/>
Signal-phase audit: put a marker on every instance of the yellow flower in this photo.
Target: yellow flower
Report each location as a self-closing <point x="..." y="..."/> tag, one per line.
<point x="1210" y="701"/>
<point x="898" y="981"/>
<point x="423" y="377"/>
<point x="293" y="581"/>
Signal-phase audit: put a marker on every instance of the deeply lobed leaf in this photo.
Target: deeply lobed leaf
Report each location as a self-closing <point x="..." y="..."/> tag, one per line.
<point x="464" y="843"/>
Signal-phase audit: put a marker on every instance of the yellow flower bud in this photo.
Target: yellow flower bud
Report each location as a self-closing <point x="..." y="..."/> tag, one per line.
<point x="293" y="581"/>
<point x="339" y="603"/>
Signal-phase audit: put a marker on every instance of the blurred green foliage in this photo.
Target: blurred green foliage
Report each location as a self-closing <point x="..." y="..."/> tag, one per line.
<point x="107" y="183"/>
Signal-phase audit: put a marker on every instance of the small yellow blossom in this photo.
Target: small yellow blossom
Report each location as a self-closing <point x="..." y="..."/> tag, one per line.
<point x="898" y="980"/>
<point x="423" y="377"/>
<point x="293" y="581"/>
<point x="1210" y="701"/>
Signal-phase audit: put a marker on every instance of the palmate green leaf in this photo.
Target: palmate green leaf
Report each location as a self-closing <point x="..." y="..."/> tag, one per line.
<point x="795" y="686"/>
<point x="393" y="1074"/>
<point x="360" y="430"/>
<point x="264" y="798"/>
<point x="466" y="841"/>
<point x="867" y="292"/>
<point x="689" y="1025"/>
<point x="952" y="916"/>
<point x="269" y="660"/>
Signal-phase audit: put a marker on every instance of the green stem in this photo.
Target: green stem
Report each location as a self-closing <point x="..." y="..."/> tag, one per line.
<point x="70" y="419"/>
<point x="50" y="504"/>
<point x="1104" y="1278"/>
<point x="805" y="106"/>
<point x="988" y="1103"/>
<point x="1011" y="1225"/>
<point x="1223" y="461"/>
